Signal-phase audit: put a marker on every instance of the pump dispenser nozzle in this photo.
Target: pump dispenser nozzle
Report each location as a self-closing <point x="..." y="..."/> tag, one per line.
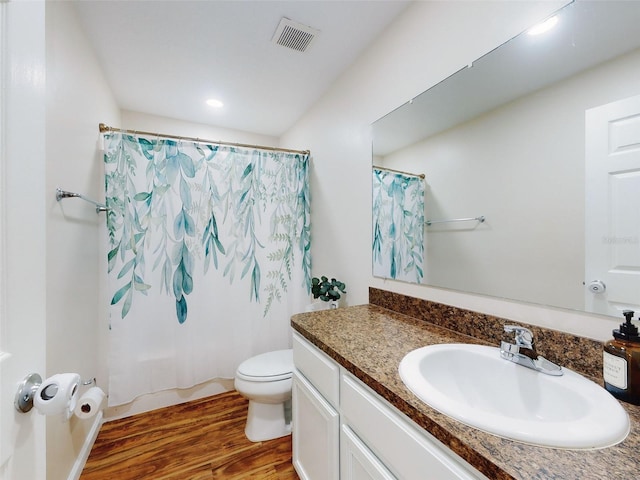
<point x="627" y="331"/>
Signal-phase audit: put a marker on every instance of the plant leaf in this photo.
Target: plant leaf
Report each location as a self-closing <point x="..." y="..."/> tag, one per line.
<point x="177" y="281"/>
<point x="127" y="304"/>
<point x="127" y="266"/>
<point x="178" y="225"/>
<point x="247" y="171"/>
<point x="142" y="196"/>
<point x="111" y="257"/>
<point x="181" y="309"/>
<point x="187" y="283"/>
<point x="187" y="165"/>
<point x="189" y="224"/>
<point x="120" y="293"/>
<point x="185" y="194"/>
<point x="255" y="282"/>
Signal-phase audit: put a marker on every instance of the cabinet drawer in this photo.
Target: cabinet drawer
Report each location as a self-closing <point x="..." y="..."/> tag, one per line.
<point x="317" y="367"/>
<point x="408" y="451"/>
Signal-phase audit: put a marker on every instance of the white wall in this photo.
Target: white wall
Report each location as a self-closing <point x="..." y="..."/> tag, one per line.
<point x="429" y="41"/>
<point x="78" y="99"/>
<point x="522" y="166"/>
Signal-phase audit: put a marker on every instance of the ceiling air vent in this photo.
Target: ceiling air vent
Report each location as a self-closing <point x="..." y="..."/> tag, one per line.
<point x="294" y="35"/>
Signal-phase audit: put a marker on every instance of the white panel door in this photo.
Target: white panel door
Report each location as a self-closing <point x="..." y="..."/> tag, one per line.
<point x="22" y="232"/>
<point x="612" y="208"/>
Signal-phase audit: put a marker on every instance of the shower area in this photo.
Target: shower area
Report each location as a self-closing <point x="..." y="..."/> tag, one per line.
<point x="208" y="256"/>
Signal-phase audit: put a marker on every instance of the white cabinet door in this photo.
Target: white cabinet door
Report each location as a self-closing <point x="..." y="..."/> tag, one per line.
<point x="357" y="462"/>
<point x="316" y="432"/>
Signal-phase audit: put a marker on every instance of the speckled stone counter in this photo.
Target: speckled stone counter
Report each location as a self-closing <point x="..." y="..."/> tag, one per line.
<point x="369" y="341"/>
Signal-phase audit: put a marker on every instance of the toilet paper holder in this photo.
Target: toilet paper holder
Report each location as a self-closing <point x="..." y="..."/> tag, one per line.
<point x="27" y="388"/>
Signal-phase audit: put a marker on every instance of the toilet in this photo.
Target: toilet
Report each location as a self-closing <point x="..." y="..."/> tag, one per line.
<point x="265" y="380"/>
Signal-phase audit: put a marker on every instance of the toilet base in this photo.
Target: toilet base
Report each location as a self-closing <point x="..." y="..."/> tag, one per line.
<point x="268" y="421"/>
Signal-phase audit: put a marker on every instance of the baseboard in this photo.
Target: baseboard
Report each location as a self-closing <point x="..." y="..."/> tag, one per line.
<point x="80" y="462"/>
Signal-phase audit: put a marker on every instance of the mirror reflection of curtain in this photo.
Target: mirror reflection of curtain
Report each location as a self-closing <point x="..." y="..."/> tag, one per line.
<point x="398" y="225"/>
<point x="208" y="258"/>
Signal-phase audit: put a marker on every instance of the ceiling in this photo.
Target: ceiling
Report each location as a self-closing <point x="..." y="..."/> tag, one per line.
<point x="168" y="57"/>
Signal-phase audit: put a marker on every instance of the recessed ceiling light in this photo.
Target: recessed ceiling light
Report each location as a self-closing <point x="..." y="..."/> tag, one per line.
<point x="543" y="27"/>
<point x="212" y="102"/>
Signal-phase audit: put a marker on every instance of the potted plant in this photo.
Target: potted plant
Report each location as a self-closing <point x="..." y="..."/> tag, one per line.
<point x="327" y="290"/>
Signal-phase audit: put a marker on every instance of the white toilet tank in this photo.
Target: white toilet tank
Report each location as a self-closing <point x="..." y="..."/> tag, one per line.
<point x="267" y="367"/>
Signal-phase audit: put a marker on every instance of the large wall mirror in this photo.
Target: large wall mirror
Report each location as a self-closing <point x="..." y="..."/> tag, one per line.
<point x="505" y="141"/>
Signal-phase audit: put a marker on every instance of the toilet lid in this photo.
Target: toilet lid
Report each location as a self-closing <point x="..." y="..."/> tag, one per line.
<point x="268" y="366"/>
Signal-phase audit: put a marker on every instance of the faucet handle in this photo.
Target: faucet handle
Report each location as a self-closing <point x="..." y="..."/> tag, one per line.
<point x="524" y="337"/>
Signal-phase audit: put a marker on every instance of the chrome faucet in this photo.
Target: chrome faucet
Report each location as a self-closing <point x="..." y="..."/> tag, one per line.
<point x="523" y="352"/>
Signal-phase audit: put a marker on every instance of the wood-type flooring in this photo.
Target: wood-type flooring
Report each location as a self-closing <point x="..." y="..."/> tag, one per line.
<point x="199" y="440"/>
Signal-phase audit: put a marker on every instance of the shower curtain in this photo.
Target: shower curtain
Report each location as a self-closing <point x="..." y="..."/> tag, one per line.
<point x="208" y="257"/>
<point x="398" y="226"/>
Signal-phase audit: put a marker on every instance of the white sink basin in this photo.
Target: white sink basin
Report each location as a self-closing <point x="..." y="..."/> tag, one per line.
<point x="472" y="384"/>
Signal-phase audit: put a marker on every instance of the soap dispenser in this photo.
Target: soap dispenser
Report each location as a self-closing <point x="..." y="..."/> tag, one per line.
<point x="621" y="362"/>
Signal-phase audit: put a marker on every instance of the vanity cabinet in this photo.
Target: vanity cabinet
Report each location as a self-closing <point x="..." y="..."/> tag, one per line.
<point x="343" y="429"/>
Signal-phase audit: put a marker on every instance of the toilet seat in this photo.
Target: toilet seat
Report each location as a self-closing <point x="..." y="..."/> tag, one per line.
<point x="267" y="367"/>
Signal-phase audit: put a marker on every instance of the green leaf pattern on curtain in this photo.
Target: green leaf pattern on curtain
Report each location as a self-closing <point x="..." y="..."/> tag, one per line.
<point x="202" y="205"/>
<point x="398" y="226"/>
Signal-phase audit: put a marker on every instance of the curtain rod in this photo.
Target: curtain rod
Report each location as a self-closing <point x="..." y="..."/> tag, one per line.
<point x="104" y="128"/>
<point x="420" y="175"/>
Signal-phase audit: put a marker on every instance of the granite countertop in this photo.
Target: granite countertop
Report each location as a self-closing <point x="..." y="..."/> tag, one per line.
<point x="370" y="341"/>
